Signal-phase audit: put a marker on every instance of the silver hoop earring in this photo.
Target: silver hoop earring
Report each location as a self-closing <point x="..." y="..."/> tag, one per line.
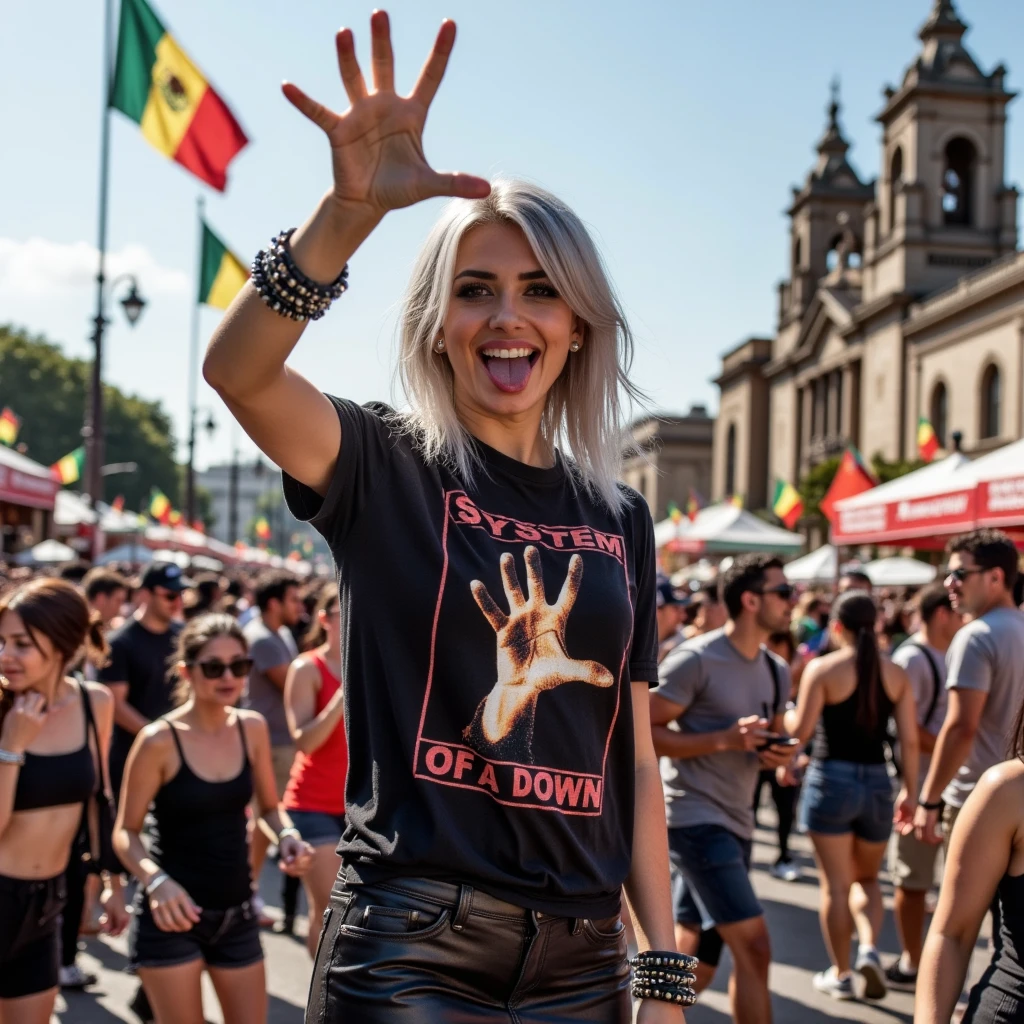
<point x="439" y="344"/>
<point x="575" y="346"/>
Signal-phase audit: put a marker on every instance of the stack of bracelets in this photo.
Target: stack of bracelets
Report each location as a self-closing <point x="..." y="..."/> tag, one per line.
<point x="665" y="976"/>
<point x="285" y="289"/>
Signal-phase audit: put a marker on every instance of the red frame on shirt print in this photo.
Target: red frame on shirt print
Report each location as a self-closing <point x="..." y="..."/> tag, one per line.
<point x="509" y="782"/>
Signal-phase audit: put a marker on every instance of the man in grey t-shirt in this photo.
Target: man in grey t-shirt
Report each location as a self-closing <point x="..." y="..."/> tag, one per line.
<point x="718" y="697"/>
<point x="985" y="676"/>
<point x="911" y="861"/>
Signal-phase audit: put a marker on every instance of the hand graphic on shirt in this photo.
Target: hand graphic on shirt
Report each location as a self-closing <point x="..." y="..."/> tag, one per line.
<point x="532" y="656"/>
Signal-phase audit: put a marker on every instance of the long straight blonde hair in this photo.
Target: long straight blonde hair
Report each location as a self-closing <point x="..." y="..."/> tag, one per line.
<point x="583" y="413"/>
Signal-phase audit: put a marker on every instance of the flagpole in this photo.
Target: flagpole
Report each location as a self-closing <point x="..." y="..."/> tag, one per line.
<point x="193" y="376"/>
<point x="94" y="422"/>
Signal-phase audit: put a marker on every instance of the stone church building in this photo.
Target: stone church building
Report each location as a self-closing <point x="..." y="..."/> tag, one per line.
<point x="905" y="295"/>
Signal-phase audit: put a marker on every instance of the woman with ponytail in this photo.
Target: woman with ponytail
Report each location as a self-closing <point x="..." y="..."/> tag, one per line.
<point x="845" y="700"/>
<point x="54" y="739"/>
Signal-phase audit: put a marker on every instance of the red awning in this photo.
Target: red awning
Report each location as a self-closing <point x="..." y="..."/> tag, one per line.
<point x="24" y="482"/>
<point x="924" y="508"/>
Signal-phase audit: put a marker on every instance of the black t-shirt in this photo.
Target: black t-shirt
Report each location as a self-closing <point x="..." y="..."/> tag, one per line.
<point x="141" y="659"/>
<point x="488" y="744"/>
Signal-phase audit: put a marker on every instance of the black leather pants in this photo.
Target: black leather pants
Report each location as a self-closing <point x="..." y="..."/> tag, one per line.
<point x="416" y="951"/>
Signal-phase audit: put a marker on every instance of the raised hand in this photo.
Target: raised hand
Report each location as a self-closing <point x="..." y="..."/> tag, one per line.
<point x="532" y="656"/>
<point x="377" y="144"/>
<point x="23" y="722"/>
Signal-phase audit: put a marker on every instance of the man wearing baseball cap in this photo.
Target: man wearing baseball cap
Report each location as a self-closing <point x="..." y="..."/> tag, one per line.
<point x="671" y="605"/>
<point x="138" y="673"/>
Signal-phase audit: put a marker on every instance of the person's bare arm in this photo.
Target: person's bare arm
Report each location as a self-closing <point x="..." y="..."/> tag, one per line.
<point x="980" y="850"/>
<point x="647" y="885"/>
<point x="310" y="730"/>
<point x="925" y="740"/>
<point x="378" y="166"/>
<point x="801" y="720"/>
<point x="905" y="713"/>
<point x="743" y="735"/>
<point x="124" y="714"/>
<point x="954" y="742"/>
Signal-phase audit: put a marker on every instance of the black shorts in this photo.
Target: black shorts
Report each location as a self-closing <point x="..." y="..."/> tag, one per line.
<point x="222" y="938"/>
<point x="30" y="935"/>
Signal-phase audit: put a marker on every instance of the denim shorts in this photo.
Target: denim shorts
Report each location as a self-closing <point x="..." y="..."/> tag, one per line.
<point x="318" y="828"/>
<point x="221" y="938"/>
<point x="841" y="797"/>
<point x="711" y="881"/>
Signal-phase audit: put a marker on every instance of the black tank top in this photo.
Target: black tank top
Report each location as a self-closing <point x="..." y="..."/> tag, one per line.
<point x="53" y="780"/>
<point x="200" y="836"/>
<point x="1006" y="972"/>
<point x="839" y="737"/>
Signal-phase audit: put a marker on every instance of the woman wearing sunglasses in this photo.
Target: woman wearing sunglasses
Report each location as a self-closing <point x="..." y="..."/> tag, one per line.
<point x="846" y="698"/>
<point x="54" y="738"/>
<point x="315" y="797"/>
<point x="198" y="767"/>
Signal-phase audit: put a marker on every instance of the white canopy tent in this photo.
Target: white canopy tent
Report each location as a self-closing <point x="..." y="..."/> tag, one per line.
<point x="900" y="572"/>
<point x="817" y="567"/>
<point x="48" y="552"/>
<point x="724" y="529"/>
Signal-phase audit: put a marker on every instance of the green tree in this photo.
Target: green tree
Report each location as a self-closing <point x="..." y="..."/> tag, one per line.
<point x="886" y="470"/>
<point x="816" y="483"/>
<point x="49" y="392"/>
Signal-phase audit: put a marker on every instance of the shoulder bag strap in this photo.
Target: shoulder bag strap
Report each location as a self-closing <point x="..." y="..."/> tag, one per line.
<point x="776" y="685"/>
<point x="935" y="678"/>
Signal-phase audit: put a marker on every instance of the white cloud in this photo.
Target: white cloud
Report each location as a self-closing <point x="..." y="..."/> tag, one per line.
<point x="39" y="267"/>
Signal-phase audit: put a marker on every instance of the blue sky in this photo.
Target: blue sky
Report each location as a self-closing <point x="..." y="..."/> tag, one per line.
<point x="674" y="128"/>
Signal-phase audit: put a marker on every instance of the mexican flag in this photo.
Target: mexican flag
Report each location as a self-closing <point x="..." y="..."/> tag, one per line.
<point x="158" y="87"/>
<point x="221" y="272"/>
<point x="69" y="469"/>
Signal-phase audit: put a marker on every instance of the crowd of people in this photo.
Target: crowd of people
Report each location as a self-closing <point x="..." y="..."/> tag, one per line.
<point x="455" y="747"/>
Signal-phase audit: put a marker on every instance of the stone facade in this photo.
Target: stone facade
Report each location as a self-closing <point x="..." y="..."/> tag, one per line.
<point x="905" y="296"/>
<point x="672" y="455"/>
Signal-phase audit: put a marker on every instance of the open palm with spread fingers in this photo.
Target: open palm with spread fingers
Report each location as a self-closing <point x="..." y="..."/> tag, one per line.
<point x="532" y="656"/>
<point x="377" y="144"/>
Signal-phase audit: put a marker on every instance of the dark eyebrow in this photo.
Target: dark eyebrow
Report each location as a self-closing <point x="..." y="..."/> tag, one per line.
<point x="486" y="275"/>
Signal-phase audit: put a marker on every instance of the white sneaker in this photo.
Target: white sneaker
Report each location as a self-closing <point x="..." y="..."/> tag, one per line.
<point x="870" y="968"/>
<point x="785" y="871"/>
<point x="74" y="977"/>
<point x="837" y="988"/>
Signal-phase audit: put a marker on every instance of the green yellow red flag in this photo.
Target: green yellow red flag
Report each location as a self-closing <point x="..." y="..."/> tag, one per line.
<point x="179" y="112"/>
<point x="68" y="470"/>
<point x="927" y="441"/>
<point x="262" y="528"/>
<point x="694" y="504"/>
<point x="787" y="503"/>
<point x="221" y="272"/>
<point x="160" y="506"/>
<point x="10" y="424"/>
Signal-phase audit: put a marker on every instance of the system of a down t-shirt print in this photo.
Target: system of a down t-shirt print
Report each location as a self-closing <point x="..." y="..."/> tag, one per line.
<point x="529" y="647"/>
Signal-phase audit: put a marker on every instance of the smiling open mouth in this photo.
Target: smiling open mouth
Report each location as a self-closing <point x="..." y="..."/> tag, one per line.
<point x="509" y="368"/>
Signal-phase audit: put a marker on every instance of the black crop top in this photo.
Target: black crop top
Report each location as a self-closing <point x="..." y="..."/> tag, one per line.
<point x="53" y="780"/>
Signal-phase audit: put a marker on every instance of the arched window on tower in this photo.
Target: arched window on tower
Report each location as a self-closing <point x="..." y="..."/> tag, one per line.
<point x="991" y="402"/>
<point x="798" y="256"/>
<point x="832" y="256"/>
<point x="939" y="412"/>
<point x="895" y="182"/>
<point x="730" y="461"/>
<point x="958" y="182"/>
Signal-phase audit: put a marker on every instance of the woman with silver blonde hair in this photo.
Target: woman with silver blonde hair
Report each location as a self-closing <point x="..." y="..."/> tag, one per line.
<point x="496" y="589"/>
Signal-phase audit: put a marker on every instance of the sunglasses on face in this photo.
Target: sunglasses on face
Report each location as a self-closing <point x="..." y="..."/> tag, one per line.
<point x="959" y="575"/>
<point x="215" y="668"/>
<point x="784" y="590"/>
<point x="168" y="595"/>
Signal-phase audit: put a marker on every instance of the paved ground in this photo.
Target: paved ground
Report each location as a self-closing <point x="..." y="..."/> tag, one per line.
<point x="792" y="911"/>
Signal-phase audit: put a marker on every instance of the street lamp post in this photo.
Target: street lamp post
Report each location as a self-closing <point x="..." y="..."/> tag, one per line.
<point x="190" y="473"/>
<point x="133" y="304"/>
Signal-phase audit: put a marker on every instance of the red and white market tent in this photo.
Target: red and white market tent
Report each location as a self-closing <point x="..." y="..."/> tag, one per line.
<point x="925" y="508"/>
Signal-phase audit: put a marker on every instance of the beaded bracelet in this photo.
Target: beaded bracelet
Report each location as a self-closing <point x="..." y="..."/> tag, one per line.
<point x="285" y="289"/>
<point x="665" y="976"/>
<point x="658" y="958"/>
<point x="666" y="993"/>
